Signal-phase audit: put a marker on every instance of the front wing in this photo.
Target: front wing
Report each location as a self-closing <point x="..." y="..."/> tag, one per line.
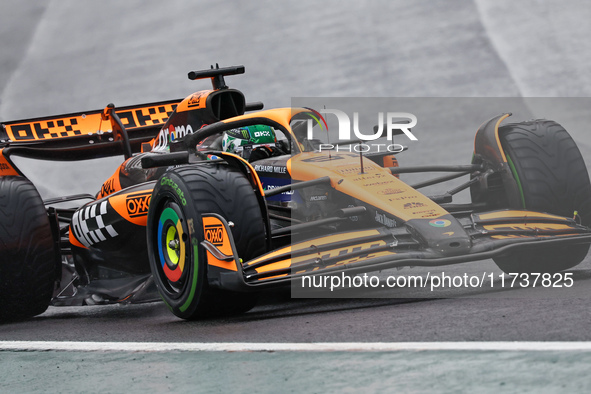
<point x="491" y="234"/>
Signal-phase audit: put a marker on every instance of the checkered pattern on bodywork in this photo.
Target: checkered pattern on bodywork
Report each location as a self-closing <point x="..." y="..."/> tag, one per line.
<point x="89" y="227"/>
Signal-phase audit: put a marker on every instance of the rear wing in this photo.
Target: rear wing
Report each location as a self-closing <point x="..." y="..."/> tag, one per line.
<point x="114" y="131"/>
<point x="83" y="135"/>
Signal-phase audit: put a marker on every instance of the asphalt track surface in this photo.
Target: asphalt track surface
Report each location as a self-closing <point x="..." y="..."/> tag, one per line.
<point x="66" y="56"/>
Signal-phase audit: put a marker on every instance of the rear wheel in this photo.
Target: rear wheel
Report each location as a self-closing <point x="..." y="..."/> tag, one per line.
<point x="27" y="253"/>
<point x="551" y="177"/>
<point x="175" y="232"/>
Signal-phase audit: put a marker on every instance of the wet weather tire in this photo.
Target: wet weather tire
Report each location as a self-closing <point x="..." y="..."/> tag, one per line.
<point x="552" y="177"/>
<point x="175" y="232"/>
<point x="27" y="251"/>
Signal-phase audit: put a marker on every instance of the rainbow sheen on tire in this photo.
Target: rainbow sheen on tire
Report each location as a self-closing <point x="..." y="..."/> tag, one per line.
<point x="171" y="244"/>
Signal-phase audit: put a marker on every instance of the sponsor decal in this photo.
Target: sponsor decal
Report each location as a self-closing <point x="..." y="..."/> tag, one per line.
<point x="349" y="170"/>
<point x="46" y="130"/>
<point x="137" y="204"/>
<point x="406" y="197"/>
<point x="390" y="190"/>
<point x="386" y="221"/>
<point x="412" y="205"/>
<point x="169" y="182"/>
<point x="191" y="226"/>
<point x="440" y="223"/>
<point x="367" y="177"/>
<point x="144" y="117"/>
<point x="197" y="99"/>
<point x="318" y="198"/>
<point x="321" y="159"/>
<point x="427" y="214"/>
<point x="262" y="168"/>
<point x="170" y="134"/>
<point x="274" y="169"/>
<point x="271" y="187"/>
<point x="214" y="233"/>
<point x="73" y="126"/>
<point x="107" y="188"/>
<point x="344" y="252"/>
<point x="263" y="133"/>
<point x="527" y="227"/>
<point x="376" y="183"/>
<point x="4" y="167"/>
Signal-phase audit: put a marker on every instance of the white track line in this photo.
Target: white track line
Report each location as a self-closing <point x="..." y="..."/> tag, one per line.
<point x="291" y="347"/>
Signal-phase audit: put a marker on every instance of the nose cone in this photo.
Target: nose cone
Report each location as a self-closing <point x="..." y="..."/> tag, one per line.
<point x="444" y="235"/>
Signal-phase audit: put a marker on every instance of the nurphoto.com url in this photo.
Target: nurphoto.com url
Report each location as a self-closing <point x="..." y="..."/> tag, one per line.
<point x="439" y="280"/>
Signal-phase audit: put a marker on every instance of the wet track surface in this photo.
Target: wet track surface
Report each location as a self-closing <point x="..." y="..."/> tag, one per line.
<point x="61" y="57"/>
<point x="521" y="314"/>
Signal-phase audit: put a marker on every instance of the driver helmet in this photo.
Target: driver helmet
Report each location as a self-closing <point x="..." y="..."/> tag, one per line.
<point x="243" y="140"/>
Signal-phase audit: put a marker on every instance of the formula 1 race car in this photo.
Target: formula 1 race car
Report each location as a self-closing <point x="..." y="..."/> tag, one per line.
<point x="218" y="199"/>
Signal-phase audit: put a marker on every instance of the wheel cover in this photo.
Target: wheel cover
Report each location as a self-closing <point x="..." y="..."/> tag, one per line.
<point x="171" y="239"/>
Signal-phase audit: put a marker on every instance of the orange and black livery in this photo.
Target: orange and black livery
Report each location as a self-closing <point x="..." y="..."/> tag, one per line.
<point x="217" y="199"/>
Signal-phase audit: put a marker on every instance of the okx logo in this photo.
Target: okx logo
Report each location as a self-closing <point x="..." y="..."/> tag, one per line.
<point x="214" y="233"/>
<point x="138" y="204"/>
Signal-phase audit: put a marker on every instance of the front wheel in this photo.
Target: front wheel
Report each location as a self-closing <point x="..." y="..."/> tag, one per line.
<point x="175" y="231"/>
<point x="551" y="177"/>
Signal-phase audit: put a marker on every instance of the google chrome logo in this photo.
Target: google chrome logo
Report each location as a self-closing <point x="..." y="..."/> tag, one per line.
<point x="439" y="222"/>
